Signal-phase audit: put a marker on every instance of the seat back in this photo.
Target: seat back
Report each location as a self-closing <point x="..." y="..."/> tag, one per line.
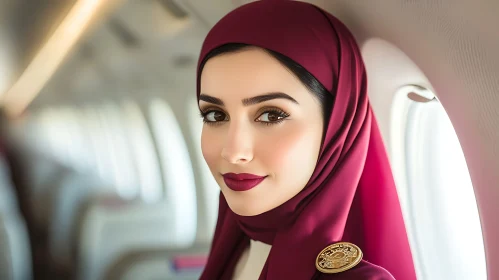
<point x="8" y="199"/>
<point x="15" y="255"/>
<point x="160" y="263"/>
<point x="112" y="227"/>
<point x="68" y="198"/>
<point x="176" y="168"/>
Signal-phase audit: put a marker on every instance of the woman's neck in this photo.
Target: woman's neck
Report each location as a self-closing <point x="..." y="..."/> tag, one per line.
<point x="252" y="261"/>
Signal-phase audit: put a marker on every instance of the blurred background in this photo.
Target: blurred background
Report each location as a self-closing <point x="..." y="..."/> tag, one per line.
<point x="101" y="173"/>
<point x="101" y="132"/>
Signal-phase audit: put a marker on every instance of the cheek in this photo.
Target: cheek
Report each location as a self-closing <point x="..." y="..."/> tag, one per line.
<point x="210" y="147"/>
<point x="292" y="152"/>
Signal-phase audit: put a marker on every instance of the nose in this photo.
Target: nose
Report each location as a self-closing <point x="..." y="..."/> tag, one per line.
<point x="238" y="145"/>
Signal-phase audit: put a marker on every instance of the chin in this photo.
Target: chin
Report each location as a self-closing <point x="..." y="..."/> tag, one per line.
<point x="246" y="206"/>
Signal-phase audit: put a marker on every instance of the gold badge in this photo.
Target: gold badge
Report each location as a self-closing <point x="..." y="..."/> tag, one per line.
<point x="338" y="257"/>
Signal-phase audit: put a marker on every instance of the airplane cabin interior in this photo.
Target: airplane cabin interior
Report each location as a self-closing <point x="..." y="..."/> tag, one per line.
<point x="102" y="175"/>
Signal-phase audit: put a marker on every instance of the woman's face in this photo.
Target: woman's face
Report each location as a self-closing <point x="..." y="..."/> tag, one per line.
<point x="260" y="120"/>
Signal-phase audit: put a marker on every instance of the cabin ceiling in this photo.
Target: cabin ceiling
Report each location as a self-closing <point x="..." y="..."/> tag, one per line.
<point x="151" y="46"/>
<point x="24" y="26"/>
<point x="142" y="48"/>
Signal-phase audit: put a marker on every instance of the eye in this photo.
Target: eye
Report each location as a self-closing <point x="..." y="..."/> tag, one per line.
<point x="213" y="116"/>
<point x="272" y="116"/>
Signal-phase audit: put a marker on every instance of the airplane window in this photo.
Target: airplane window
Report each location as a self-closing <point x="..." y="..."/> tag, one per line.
<point x="436" y="192"/>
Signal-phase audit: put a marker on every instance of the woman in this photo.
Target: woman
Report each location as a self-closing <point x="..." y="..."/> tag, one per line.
<point x="290" y="137"/>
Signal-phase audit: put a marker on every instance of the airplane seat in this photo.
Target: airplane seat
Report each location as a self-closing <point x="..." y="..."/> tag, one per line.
<point x="54" y="192"/>
<point x="8" y="198"/>
<point x="41" y="171"/>
<point x="15" y="252"/>
<point x="41" y="197"/>
<point x="67" y="199"/>
<point x="38" y="165"/>
<point x="160" y="263"/>
<point x="43" y="176"/>
<point x="32" y="176"/>
<point x="112" y="227"/>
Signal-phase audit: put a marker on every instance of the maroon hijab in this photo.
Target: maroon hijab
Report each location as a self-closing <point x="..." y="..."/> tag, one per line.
<point x="351" y="195"/>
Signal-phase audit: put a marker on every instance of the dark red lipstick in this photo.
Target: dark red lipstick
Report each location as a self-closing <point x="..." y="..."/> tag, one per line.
<point x="242" y="181"/>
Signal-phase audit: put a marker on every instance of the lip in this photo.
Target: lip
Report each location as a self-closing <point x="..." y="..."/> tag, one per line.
<point x="242" y="181"/>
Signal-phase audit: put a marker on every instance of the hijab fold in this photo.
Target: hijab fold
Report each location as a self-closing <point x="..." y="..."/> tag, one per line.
<point x="351" y="195"/>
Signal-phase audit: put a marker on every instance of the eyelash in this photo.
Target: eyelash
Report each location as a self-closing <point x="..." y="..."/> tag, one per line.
<point x="280" y="113"/>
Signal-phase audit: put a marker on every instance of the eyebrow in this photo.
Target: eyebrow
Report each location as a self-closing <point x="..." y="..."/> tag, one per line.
<point x="251" y="100"/>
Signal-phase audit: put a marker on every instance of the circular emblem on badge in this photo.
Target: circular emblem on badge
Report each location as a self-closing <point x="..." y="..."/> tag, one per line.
<point x="338" y="257"/>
